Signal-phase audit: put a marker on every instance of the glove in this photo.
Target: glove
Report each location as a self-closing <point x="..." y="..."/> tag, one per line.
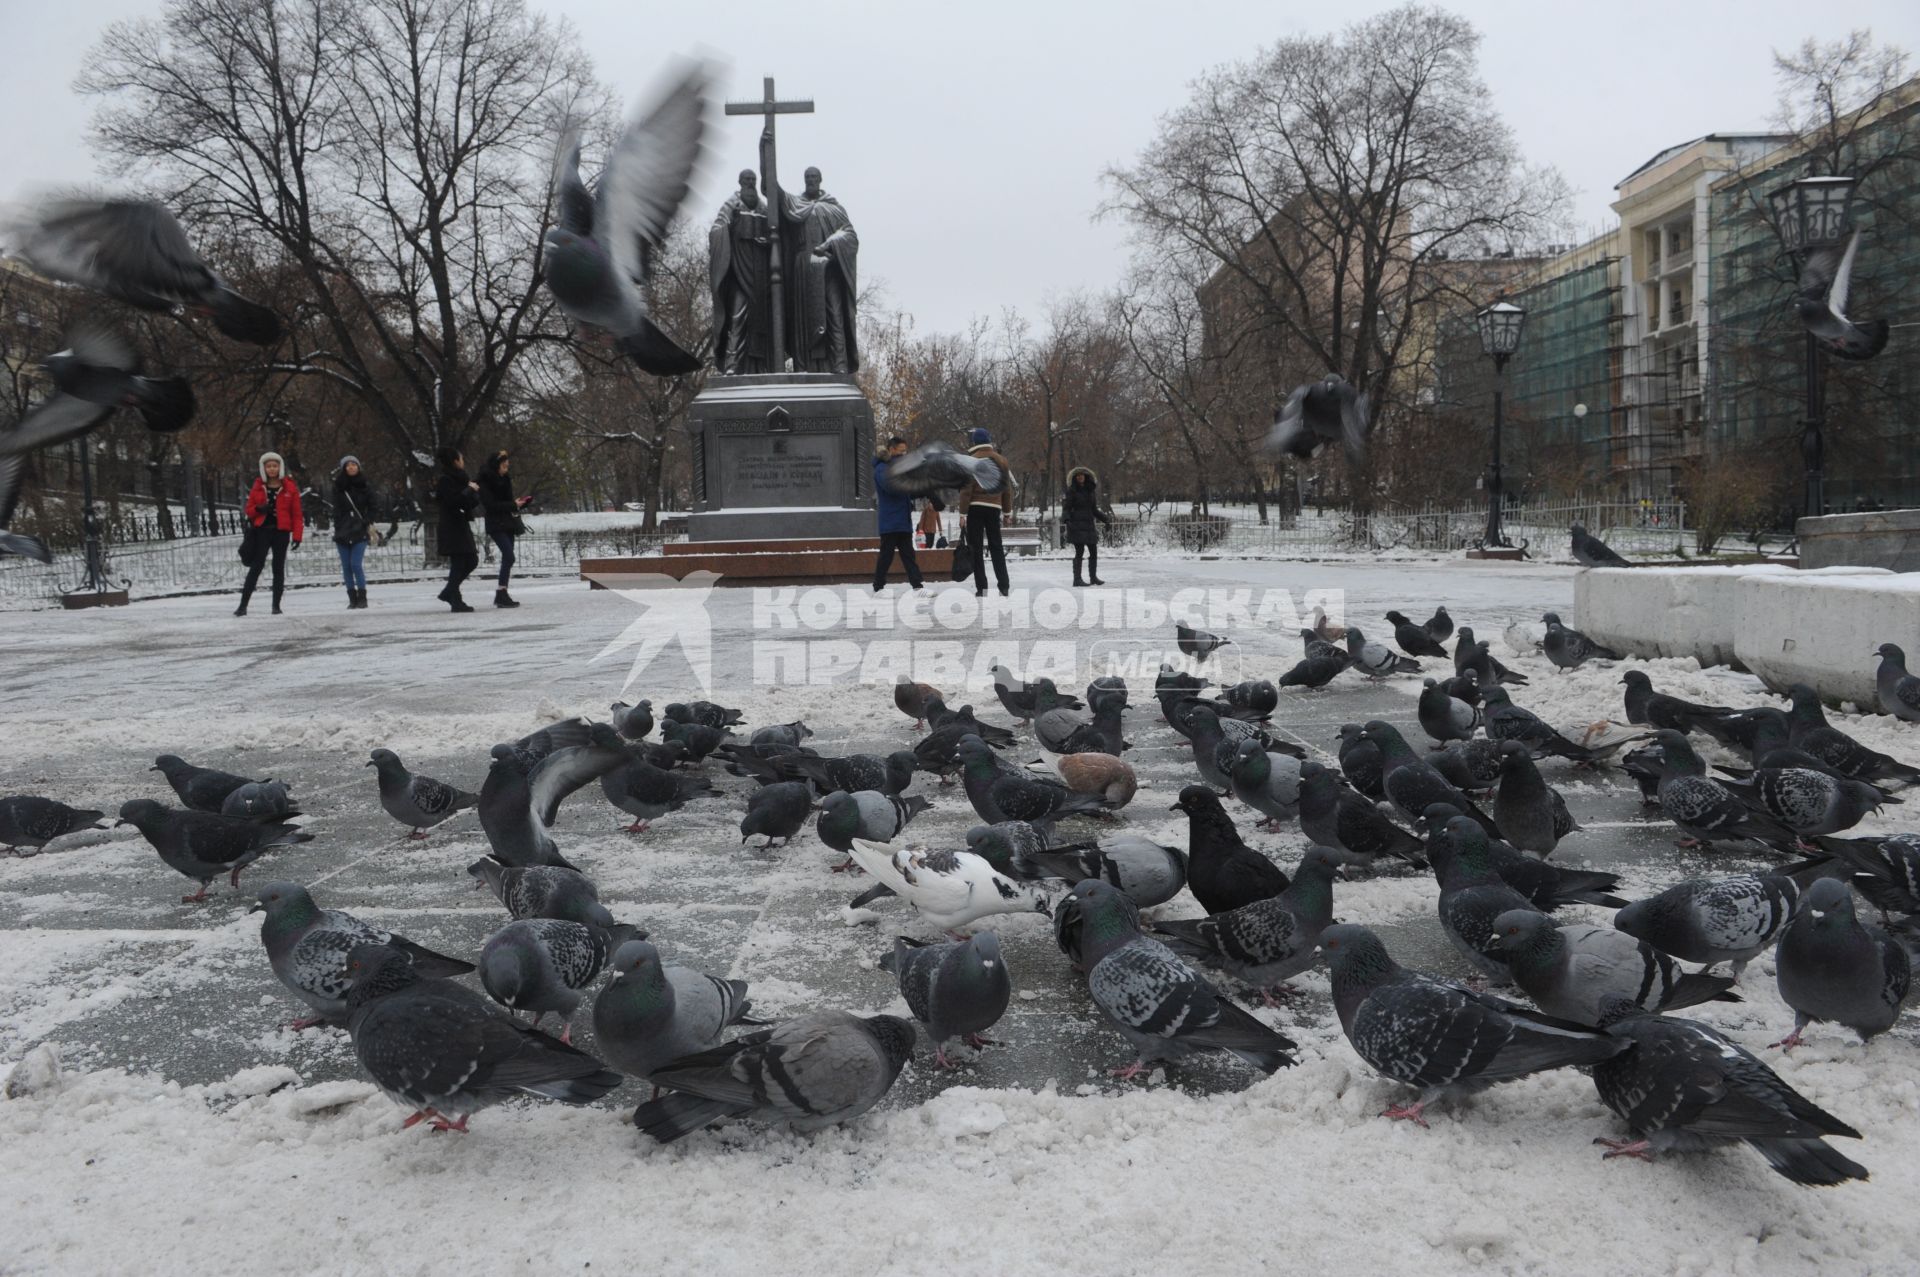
<point x="296" y="545"/>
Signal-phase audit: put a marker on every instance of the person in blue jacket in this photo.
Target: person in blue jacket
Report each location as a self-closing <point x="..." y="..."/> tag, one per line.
<point x="896" y="519"/>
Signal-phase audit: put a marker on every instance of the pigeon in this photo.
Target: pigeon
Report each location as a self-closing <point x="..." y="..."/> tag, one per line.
<point x="1470" y="654"/>
<point x="442" y="1050"/>
<point x="650" y="1014"/>
<point x="1885" y="870"/>
<point x="1269" y="941"/>
<point x="1714" y="920"/>
<point x="1570" y="649"/>
<point x="1532" y="814"/>
<point x="134" y="252"/>
<point x="1147" y="873"/>
<point x="1472" y="765"/>
<point x="531" y="777"/>
<point x="260" y="800"/>
<point x="1156" y="1001"/>
<point x="809" y="1073"/>
<point x="1832" y="967"/>
<point x="762" y="762"/>
<point x="939" y="750"/>
<point x="958" y="989"/>
<point x="1809" y="802"/>
<point x="600" y="248"/>
<point x="1592" y="552"/>
<point x="1197" y="644"/>
<point x="1110" y="690"/>
<point x="1705" y="810"/>
<point x="1071" y="731"/>
<point x="1821" y="303"/>
<point x="1169" y="679"/>
<point x="1444" y="718"/>
<point x="1741" y="730"/>
<point x="647" y="792"/>
<point x="1377" y="660"/>
<point x="1464" y="686"/>
<point x="938" y="467"/>
<point x="938" y="715"/>
<point x="665" y="754"/>
<point x="1102" y="775"/>
<point x="696" y="739"/>
<point x="203" y="845"/>
<point x="418" y="802"/>
<point x="29" y="821"/>
<point x="1203" y="723"/>
<point x="543" y="891"/>
<point x="777" y="811"/>
<point x="1434" y="1034"/>
<point x="705" y="714"/>
<point x="1204" y="729"/>
<point x="951" y="889"/>
<point x="1649" y="708"/>
<point x="1579" y="973"/>
<point x="912" y="698"/>
<point x="998" y="795"/>
<point x="867" y="814"/>
<point x="1320" y="412"/>
<point x="1439" y="626"/>
<point x="541" y="964"/>
<point x="888" y="773"/>
<point x="1257" y="696"/>
<point x="633" y="722"/>
<point x="1898" y="690"/>
<point x="199" y="788"/>
<point x="1321" y="627"/>
<point x="1472" y="895"/>
<point x="307" y="947"/>
<point x="781" y="734"/>
<point x="1026" y="701"/>
<point x="1683" y="1086"/>
<point x="1222" y="871"/>
<point x="13" y="470"/>
<point x="1009" y="844"/>
<point x="1361" y="763"/>
<point x="1645" y="765"/>
<point x="1332" y="815"/>
<point x="1268" y="783"/>
<point x="1411" y="783"/>
<point x="1413" y="639"/>
<point x="1314" y="672"/>
<point x="1810" y="731"/>
<point x="1547" y="887"/>
<point x="1509" y="722"/>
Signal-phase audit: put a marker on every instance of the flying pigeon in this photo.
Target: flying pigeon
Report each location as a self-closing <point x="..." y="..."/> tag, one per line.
<point x="599" y="252"/>
<point x="911" y="699"/>
<point x="440" y="1049"/>
<point x="1810" y="731"/>
<point x="1269" y="941"/>
<point x="1413" y="639"/>
<point x="647" y="793"/>
<point x="200" y="788"/>
<point x="1649" y="708"/>
<point x="777" y="811"/>
<point x="1714" y="920"/>
<point x="1268" y="783"/>
<point x="1444" y="718"/>
<point x="1832" y="967"/>
<point x="633" y="722"/>
<point x="30" y="821"/>
<point x="940" y="467"/>
<point x="307" y="947"/>
<point x="1156" y="1001"/>
<point x="704" y="713"/>
<point x="1532" y="814"/>
<point x="260" y="800"/>
<point x="651" y="1014"/>
<point x="1579" y="973"/>
<point x="203" y="845"/>
<point x="135" y="252"/>
<point x="810" y="1073"/>
<point x="1377" y="660"/>
<point x="958" y="989"/>
<point x="1547" y="887"/>
<point x="542" y="891"/>
<point x="1434" y="1034"/>
<point x="13" y="469"/>
<point x="1592" y="552"/>
<point x="1331" y="815"/>
<point x="1683" y="1085"/>
<point x="1147" y="873"/>
<point x="1412" y="784"/>
<point x="531" y="777"/>
<point x="541" y="964"/>
<point x="950" y="889"/>
<point x="1321" y="412"/>
<point x="1821" y="303"/>
<point x="1197" y="644"/>
<point x="1570" y="649"/>
<point x="1898" y="690"/>
<point x="1223" y="872"/>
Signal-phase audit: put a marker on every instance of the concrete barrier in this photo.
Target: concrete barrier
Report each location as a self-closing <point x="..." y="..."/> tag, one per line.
<point x="1650" y="612"/>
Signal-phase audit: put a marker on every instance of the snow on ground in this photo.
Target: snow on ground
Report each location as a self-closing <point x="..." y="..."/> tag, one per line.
<point x="1029" y="1159"/>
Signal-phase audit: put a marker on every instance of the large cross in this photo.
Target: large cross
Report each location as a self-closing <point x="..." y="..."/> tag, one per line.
<point x="770" y="106"/>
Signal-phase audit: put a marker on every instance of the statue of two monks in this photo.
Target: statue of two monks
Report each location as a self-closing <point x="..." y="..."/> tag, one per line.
<point x="819" y="254"/>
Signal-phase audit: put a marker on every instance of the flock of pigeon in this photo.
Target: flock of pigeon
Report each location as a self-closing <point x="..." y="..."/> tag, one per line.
<point x="1473" y="808"/>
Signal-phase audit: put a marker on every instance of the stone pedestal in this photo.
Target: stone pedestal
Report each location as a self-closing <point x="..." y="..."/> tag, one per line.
<point x="1884" y="539"/>
<point x="781" y="456"/>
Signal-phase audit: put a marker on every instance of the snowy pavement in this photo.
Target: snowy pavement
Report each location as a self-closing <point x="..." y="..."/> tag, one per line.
<point x="171" y="1025"/>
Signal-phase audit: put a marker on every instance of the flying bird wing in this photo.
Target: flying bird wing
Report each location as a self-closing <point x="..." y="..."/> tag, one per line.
<point x="130" y="249"/>
<point x="1353" y="424"/>
<point x="940" y="467"/>
<point x="573" y="203"/>
<point x="1289" y="425"/>
<point x="647" y="174"/>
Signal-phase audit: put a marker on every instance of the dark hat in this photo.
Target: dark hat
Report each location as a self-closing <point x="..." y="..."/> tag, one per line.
<point x="979" y="436"/>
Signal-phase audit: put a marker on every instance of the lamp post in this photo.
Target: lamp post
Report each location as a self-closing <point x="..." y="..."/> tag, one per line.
<point x="1500" y="326"/>
<point x="1810" y="213"/>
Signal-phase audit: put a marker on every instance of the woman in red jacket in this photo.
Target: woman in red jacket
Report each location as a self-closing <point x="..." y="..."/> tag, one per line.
<point x="273" y="521"/>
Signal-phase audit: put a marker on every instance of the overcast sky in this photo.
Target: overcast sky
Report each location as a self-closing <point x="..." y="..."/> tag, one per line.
<point x="967" y="140"/>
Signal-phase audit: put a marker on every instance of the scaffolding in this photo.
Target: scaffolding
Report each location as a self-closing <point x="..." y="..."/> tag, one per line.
<point x="1563" y="387"/>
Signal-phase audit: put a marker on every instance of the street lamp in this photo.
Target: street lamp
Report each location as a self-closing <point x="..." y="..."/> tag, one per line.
<point x="1500" y="326"/>
<point x="1810" y="213"/>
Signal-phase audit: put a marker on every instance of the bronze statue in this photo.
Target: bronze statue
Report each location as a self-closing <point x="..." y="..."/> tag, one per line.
<point x="822" y="254"/>
<point x="738" y="261"/>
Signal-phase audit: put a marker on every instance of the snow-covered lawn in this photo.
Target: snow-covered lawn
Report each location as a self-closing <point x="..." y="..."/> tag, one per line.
<point x="190" y="1131"/>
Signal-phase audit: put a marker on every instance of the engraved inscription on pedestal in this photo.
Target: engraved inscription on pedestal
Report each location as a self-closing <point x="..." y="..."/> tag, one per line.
<point x="779" y="470"/>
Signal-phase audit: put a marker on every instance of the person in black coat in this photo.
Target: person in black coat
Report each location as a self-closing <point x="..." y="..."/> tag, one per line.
<point x="458" y="496"/>
<point x="355" y="510"/>
<point x="503" y="518"/>
<point x="1080" y="511"/>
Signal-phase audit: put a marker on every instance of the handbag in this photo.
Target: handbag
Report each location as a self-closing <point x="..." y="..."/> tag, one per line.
<point x="962" y="558"/>
<point x="253" y="545"/>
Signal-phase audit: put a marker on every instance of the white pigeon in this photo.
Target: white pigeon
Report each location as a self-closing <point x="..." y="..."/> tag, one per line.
<point x="950" y="889"/>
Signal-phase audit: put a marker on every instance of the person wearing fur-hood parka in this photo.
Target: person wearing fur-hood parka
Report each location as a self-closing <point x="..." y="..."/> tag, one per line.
<point x="1081" y="513"/>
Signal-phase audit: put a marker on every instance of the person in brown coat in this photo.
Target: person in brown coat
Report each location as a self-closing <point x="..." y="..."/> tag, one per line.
<point x="983" y="512"/>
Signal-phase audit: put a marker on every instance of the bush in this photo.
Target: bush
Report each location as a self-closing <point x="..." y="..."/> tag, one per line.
<point x="1202" y="533"/>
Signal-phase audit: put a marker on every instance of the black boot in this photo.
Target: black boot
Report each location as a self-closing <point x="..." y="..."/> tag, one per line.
<point x="276" y="602"/>
<point x="353" y="598"/>
<point x="502" y="599"/>
<point x="1093" y="567"/>
<point x="242" y="609"/>
<point x="459" y="604"/>
<point x="360" y="597"/>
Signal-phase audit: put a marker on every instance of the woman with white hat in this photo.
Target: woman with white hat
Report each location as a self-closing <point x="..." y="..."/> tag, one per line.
<point x="273" y="522"/>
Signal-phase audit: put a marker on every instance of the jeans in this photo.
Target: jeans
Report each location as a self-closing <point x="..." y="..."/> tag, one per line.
<point x="902" y="543"/>
<point x="983" y="537"/>
<point x="277" y="541"/>
<point x="505" y="541"/>
<point x="353" y="559"/>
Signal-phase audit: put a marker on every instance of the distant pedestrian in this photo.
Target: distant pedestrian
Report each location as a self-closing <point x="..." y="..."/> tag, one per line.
<point x="355" y="509"/>
<point x="983" y="511"/>
<point x="930" y="537"/>
<point x="274" y="522"/>
<point x="895" y="519"/>
<point x="503" y="518"/>
<point x="1080" y="510"/>
<point x="458" y="496"/>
